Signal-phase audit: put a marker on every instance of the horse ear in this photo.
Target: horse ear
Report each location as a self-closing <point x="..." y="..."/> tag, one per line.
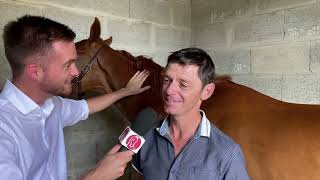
<point x="108" y="41"/>
<point x="95" y="30"/>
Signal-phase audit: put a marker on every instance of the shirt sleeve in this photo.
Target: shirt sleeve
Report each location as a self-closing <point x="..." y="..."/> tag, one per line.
<point x="9" y="167"/>
<point x="236" y="169"/>
<point x="72" y="111"/>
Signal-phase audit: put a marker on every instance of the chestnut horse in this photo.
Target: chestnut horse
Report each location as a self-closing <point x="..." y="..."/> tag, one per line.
<point x="281" y="141"/>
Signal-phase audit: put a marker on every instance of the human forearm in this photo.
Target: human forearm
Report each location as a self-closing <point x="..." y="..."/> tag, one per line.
<point x="99" y="103"/>
<point x="133" y="87"/>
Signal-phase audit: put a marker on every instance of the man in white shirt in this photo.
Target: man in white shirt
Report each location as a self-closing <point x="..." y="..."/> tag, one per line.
<point x="42" y="56"/>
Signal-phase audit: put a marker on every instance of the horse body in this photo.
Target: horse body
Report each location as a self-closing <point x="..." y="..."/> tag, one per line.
<point x="279" y="140"/>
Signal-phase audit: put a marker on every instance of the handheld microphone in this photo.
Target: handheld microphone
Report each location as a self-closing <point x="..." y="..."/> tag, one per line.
<point x="131" y="138"/>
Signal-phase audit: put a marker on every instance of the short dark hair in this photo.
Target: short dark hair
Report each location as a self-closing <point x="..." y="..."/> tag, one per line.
<point x="198" y="57"/>
<point x="32" y="36"/>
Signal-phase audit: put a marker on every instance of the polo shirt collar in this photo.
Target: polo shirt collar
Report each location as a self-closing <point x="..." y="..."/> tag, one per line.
<point x="22" y="102"/>
<point x="202" y="130"/>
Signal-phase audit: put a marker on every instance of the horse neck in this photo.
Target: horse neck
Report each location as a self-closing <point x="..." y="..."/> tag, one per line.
<point x="130" y="106"/>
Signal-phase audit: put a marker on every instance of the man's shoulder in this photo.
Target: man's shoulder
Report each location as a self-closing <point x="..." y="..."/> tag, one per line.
<point x="60" y="101"/>
<point x="6" y="108"/>
<point x="3" y="103"/>
<point x="8" y="116"/>
<point x="221" y="148"/>
<point x="153" y="131"/>
<point x="152" y="135"/>
<point x="221" y="140"/>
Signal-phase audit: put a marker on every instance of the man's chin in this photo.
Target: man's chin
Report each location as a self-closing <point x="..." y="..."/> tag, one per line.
<point x="66" y="92"/>
<point x="170" y="110"/>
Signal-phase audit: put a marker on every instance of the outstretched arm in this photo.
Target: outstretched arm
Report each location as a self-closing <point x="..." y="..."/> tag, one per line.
<point x="133" y="87"/>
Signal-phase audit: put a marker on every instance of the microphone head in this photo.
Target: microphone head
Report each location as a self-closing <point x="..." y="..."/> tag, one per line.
<point x="144" y="121"/>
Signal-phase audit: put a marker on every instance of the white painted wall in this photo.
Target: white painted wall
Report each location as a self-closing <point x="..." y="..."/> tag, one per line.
<point x="269" y="45"/>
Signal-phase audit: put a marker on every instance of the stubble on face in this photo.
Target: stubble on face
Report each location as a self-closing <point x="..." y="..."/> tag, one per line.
<point x="181" y="90"/>
<point x="57" y="77"/>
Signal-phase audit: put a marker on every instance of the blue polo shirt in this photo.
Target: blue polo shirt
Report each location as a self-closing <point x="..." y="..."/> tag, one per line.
<point x="209" y="154"/>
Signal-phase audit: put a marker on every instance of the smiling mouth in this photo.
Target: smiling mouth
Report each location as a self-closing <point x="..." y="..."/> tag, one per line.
<point x="170" y="101"/>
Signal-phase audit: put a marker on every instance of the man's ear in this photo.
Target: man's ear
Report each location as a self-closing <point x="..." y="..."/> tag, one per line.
<point x="207" y="91"/>
<point x="33" y="71"/>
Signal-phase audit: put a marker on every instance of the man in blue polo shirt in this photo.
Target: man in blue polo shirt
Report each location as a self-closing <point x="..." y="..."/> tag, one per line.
<point x="185" y="145"/>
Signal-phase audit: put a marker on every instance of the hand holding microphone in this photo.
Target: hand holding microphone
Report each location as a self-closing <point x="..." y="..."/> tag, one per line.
<point x="114" y="163"/>
<point x="132" y="137"/>
<point x="111" y="166"/>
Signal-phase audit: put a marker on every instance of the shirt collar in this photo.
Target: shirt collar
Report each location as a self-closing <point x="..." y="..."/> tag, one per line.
<point x="202" y="130"/>
<point x="22" y="102"/>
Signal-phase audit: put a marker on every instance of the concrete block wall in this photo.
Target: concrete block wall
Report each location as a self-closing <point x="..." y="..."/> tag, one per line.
<point x="142" y="27"/>
<point x="269" y="45"/>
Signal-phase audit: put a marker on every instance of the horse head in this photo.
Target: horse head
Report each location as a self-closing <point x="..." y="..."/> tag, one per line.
<point x="107" y="70"/>
<point x="94" y="79"/>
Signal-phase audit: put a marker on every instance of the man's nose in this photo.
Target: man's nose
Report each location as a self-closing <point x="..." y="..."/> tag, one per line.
<point x="74" y="70"/>
<point x="171" y="88"/>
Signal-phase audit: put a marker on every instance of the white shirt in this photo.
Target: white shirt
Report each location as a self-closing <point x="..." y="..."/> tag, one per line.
<point x="31" y="136"/>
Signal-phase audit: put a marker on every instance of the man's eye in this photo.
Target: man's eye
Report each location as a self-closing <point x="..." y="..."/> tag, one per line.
<point x="183" y="85"/>
<point x="165" y="80"/>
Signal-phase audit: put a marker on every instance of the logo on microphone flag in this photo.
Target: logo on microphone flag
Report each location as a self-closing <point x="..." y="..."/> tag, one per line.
<point x="131" y="140"/>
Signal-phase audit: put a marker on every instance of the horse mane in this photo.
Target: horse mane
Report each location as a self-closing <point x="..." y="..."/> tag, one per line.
<point x="140" y="63"/>
<point x="126" y="54"/>
<point x="222" y="79"/>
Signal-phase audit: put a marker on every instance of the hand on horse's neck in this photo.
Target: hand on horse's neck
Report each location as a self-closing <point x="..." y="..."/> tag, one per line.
<point x="182" y="130"/>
